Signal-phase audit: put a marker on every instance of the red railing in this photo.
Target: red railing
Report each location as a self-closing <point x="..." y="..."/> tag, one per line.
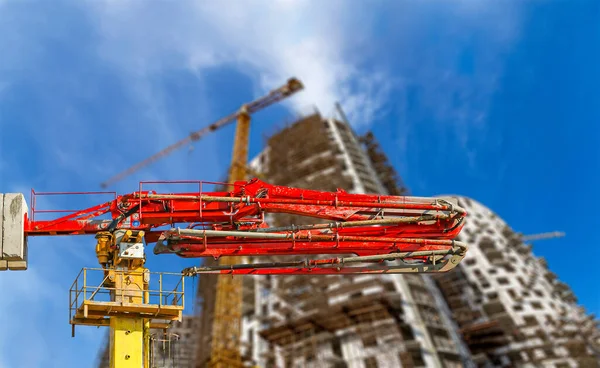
<point x="199" y="183"/>
<point x="35" y="195"/>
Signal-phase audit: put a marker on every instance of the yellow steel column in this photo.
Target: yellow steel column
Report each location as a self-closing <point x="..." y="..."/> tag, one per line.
<point x="146" y="337"/>
<point x="129" y="334"/>
<point x="126" y="342"/>
<point x="239" y="157"/>
<point x="147" y="326"/>
<point x="227" y="319"/>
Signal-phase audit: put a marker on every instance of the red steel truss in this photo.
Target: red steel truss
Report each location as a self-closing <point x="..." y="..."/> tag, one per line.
<point x="391" y="234"/>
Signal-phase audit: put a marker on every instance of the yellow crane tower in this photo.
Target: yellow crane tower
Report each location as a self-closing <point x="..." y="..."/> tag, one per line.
<point x="226" y="329"/>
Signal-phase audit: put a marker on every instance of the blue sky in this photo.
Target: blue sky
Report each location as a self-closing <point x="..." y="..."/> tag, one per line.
<point x="498" y="102"/>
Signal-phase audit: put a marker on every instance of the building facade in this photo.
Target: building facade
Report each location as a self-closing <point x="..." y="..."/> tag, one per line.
<point x="341" y="321"/>
<point x="512" y="310"/>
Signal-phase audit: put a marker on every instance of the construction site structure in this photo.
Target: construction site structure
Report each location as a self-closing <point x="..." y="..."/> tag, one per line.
<point x="511" y="309"/>
<point x="279" y="322"/>
<point x="386" y="173"/>
<point x="349" y="321"/>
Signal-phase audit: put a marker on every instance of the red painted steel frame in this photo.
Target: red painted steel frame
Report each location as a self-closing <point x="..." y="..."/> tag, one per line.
<point x="414" y="223"/>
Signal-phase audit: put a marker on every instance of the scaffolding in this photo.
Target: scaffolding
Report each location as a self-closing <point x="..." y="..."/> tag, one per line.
<point x="304" y="154"/>
<point x="506" y="302"/>
<point x="332" y="320"/>
<point x="313" y="339"/>
<point x="388" y="175"/>
<point x="207" y="290"/>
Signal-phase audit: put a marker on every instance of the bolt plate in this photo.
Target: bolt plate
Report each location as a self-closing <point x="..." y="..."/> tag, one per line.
<point x="131" y="250"/>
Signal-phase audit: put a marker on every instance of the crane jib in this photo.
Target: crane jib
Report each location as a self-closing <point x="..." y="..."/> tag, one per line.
<point x="292" y="86"/>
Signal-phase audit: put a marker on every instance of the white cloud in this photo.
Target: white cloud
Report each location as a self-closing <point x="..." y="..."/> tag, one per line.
<point x="271" y="41"/>
<point x="326" y="45"/>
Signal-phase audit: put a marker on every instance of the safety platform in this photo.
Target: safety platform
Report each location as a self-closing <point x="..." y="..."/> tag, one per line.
<point x="93" y="298"/>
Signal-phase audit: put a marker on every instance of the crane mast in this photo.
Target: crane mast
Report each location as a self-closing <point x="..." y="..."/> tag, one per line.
<point x="227" y="318"/>
<point x="226" y="324"/>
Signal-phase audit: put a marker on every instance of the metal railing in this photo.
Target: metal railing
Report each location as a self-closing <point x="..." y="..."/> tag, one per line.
<point x="35" y="210"/>
<point x="196" y="187"/>
<point x="165" y="350"/>
<point x="164" y="289"/>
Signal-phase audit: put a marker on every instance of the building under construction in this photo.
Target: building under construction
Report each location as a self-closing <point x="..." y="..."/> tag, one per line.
<point x="499" y="307"/>
<point x="341" y="321"/>
<point x="511" y="309"/>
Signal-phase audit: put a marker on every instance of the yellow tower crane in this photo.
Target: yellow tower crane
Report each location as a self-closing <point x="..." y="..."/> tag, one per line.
<point x="226" y="329"/>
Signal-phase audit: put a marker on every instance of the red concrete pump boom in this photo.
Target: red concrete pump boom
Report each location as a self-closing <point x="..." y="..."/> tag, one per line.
<point x="379" y="233"/>
<point x="350" y="234"/>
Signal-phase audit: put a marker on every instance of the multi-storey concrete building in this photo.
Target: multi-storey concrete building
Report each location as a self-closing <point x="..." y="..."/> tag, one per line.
<point x="512" y="310"/>
<point x="500" y="307"/>
<point x="341" y="321"/>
